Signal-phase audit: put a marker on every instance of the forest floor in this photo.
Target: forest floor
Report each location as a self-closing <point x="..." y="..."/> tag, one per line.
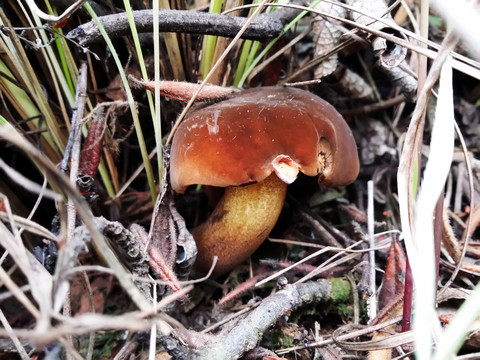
<point x="97" y="248"/>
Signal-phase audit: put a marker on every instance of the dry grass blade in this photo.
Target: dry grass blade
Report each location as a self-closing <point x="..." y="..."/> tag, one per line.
<point x="40" y="281"/>
<point x="468" y="228"/>
<point x="15" y="290"/>
<point x="28" y="184"/>
<point x="20" y="85"/>
<point x="389" y="342"/>
<point x="30" y="226"/>
<point x="20" y="65"/>
<point x="460" y="62"/>
<point x="422" y="262"/>
<point x="83" y="211"/>
<point x="51" y="18"/>
<point x="83" y="324"/>
<point x="408" y="168"/>
<point x="11" y="334"/>
<point x="348" y="332"/>
<point x="435" y="175"/>
<point x="463" y="17"/>
<point x="321" y="268"/>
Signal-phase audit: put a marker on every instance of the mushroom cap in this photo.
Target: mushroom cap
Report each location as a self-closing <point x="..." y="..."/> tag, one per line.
<point x="239" y="140"/>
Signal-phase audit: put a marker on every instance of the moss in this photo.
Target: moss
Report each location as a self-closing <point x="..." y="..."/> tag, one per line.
<point x="277" y="339"/>
<point x="345" y="311"/>
<point x="341" y="290"/>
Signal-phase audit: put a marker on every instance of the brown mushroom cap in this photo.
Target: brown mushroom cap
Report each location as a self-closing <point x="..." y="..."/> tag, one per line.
<point x="235" y="141"/>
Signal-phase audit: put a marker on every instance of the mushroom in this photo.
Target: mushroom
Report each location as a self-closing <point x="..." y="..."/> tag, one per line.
<point x="253" y="144"/>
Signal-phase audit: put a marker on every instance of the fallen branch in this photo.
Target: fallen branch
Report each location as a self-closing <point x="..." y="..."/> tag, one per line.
<point x="248" y="332"/>
<point x="263" y="28"/>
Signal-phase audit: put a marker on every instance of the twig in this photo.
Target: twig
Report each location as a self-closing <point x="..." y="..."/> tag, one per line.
<point x="372" y="302"/>
<point x="84" y="324"/>
<point x="265" y="27"/>
<point x="231" y="317"/>
<point x="307" y="258"/>
<point x="338" y="338"/>
<point x="369" y="108"/>
<point x="77" y="114"/>
<point x="127" y="349"/>
<point x="75" y="139"/>
<point x="318" y="228"/>
<point x="384" y="343"/>
<point x="249" y="331"/>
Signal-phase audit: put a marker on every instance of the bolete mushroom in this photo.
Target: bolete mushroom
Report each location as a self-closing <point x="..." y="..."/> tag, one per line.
<point x="253" y="144"/>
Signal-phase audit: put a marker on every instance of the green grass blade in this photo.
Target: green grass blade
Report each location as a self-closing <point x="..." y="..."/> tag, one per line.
<point x="152" y="105"/>
<point x="251" y="65"/>
<point x="209" y="42"/>
<point x="131" y="101"/>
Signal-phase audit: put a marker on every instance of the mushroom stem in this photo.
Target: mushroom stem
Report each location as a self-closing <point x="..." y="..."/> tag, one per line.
<point x="239" y="224"/>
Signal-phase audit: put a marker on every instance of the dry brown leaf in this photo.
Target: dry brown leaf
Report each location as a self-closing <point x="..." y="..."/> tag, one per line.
<point x="374" y="141"/>
<point x="449" y="239"/>
<point x="474" y="219"/>
<point x="393" y="284"/>
<point x="326" y="33"/>
<point x="352" y="85"/>
<point x="390" y="55"/>
<point x="168" y="231"/>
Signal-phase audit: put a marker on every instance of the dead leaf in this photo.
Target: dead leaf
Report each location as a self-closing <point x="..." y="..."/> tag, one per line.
<point x="326" y="33"/>
<point x="393" y="284"/>
<point x="168" y="231"/>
